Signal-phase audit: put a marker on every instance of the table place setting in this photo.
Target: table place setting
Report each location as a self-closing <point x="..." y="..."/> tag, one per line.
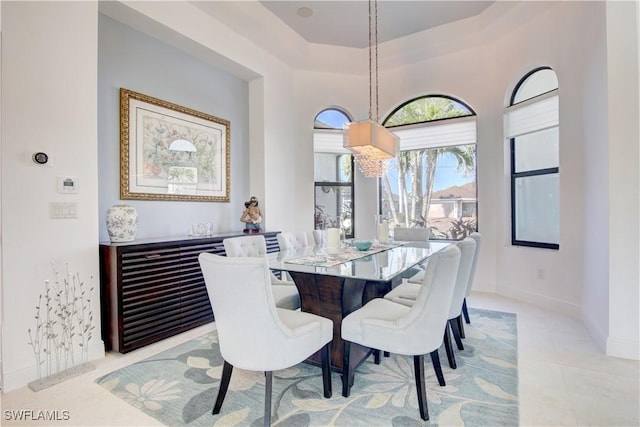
<point x="332" y="256"/>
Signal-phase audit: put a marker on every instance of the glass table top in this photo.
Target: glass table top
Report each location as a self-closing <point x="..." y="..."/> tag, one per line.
<point x="378" y="264"/>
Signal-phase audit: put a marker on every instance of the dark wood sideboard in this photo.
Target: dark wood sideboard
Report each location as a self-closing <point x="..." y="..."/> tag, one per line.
<point x="151" y="289"/>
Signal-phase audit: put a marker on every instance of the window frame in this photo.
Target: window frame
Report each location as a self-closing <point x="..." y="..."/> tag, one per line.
<point x="471" y="116"/>
<point x="514" y="176"/>
<point x="343" y="184"/>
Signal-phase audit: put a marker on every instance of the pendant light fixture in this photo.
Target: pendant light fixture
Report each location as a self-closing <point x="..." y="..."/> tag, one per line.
<point x="372" y="144"/>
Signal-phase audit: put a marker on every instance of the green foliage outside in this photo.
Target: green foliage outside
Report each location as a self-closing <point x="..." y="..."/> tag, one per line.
<point x="416" y="168"/>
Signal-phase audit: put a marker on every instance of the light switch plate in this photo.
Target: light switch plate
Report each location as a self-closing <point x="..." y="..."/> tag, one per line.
<point x="58" y="210"/>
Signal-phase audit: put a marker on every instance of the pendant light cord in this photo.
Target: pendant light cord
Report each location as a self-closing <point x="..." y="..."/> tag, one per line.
<point x="373" y="60"/>
<point x="375" y="32"/>
<point x="370" y="63"/>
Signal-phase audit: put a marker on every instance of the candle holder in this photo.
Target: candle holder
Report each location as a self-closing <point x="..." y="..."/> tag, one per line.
<point x="382" y="229"/>
<point x="334" y="243"/>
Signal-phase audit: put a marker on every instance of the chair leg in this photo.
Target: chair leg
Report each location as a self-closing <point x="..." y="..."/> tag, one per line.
<point x="326" y="369"/>
<point x="447" y="346"/>
<point x="435" y="360"/>
<point x="346" y="372"/>
<point x="418" y="367"/>
<point x="386" y="354"/>
<point x="456" y="333"/>
<point x="460" y="326"/>
<point x="376" y="357"/>
<point x="268" y="385"/>
<point x="465" y="311"/>
<point x="227" y="369"/>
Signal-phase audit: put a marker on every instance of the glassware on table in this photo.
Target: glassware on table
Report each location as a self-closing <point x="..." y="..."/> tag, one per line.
<point x="382" y="229"/>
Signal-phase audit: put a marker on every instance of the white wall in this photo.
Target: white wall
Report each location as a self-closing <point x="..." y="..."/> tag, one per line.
<point x="136" y="61"/>
<point x="624" y="201"/>
<point x="272" y="139"/>
<point x="49" y="103"/>
<point x="595" y="302"/>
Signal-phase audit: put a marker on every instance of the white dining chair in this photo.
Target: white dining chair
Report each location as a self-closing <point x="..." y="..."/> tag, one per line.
<point x="467" y="248"/>
<point x="285" y="292"/>
<point x="252" y="333"/>
<point x="412" y="331"/>
<point x="406" y="293"/>
<point x="415" y="235"/>
<point x="292" y="240"/>
<point x="478" y="238"/>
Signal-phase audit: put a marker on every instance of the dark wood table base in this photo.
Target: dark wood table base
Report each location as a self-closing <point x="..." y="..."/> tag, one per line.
<point x="335" y="298"/>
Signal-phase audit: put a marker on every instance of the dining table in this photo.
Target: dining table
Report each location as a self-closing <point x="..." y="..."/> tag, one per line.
<point x="334" y="283"/>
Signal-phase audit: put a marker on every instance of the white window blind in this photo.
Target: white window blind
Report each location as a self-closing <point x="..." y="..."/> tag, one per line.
<point x="328" y="141"/>
<point x="460" y="131"/>
<point x="532" y="116"/>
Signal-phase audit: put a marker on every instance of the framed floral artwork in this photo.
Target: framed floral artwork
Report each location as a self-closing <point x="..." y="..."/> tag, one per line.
<point x="170" y="152"/>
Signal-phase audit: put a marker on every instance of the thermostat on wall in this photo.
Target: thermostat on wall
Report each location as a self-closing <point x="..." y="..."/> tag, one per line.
<point x="67" y="184"/>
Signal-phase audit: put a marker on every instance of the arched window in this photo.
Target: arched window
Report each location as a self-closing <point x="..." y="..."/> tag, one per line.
<point x="432" y="182"/>
<point x="532" y="123"/>
<point x="333" y="172"/>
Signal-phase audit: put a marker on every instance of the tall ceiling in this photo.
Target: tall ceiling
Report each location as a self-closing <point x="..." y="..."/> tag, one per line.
<point x="346" y="23"/>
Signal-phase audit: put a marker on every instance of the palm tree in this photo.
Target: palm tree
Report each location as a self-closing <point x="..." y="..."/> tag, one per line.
<point x="418" y="166"/>
<point x="466" y="159"/>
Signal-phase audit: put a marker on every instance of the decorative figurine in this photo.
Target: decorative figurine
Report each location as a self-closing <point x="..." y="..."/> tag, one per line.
<point x="251" y="216"/>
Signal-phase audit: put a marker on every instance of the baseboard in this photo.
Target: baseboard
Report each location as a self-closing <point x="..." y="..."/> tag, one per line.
<point x="20" y="377"/>
<point x="614" y="347"/>
<point x="625" y="349"/>
<point x="596" y="332"/>
<point x="543" y="301"/>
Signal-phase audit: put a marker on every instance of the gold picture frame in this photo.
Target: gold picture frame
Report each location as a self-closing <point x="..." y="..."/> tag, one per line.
<point x="170" y="152"/>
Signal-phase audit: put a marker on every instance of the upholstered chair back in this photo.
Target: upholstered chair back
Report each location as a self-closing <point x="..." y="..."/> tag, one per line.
<point x="467" y="248"/>
<point x="250" y="332"/>
<point x="245" y="246"/>
<point x="478" y="239"/>
<point x="420" y="330"/>
<point x="292" y="240"/>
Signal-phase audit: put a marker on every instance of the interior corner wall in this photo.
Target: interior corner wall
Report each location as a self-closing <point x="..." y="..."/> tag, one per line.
<point x="182" y="24"/>
<point x="595" y="301"/>
<point x="136" y="61"/>
<point x="1" y="312"/>
<point x="49" y="104"/>
<point x="624" y="197"/>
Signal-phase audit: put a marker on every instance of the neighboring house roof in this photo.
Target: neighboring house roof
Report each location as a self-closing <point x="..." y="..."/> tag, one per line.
<point x="465" y="191"/>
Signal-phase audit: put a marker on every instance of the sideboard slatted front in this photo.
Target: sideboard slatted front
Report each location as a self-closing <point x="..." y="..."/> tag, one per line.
<point x="154" y="289"/>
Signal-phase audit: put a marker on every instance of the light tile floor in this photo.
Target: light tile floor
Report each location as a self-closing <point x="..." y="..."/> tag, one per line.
<point x="564" y="378"/>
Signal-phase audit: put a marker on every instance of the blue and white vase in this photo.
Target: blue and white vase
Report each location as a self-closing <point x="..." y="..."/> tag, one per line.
<point x="122" y="223"/>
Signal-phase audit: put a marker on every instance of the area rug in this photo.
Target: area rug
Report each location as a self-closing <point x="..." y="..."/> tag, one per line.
<point x="178" y="386"/>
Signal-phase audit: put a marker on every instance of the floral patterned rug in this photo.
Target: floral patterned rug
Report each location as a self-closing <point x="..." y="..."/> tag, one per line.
<point x="179" y="386"/>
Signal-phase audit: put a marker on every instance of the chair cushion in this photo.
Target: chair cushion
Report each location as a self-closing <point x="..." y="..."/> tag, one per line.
<point x="385" y="325"/>
<point x="286" y="296"/>
<point x="301" y="323"/>
<point x="417" y="278"/>
<point x="405" y="293"/>
<point x="375" y="325"/>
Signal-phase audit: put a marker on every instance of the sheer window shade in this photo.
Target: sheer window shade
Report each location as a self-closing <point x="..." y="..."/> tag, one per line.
<point x="534" y="116"/>
<point x="329" y="141"/>
<point x="460" y="131"/>
<point x="437" y="134"/>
